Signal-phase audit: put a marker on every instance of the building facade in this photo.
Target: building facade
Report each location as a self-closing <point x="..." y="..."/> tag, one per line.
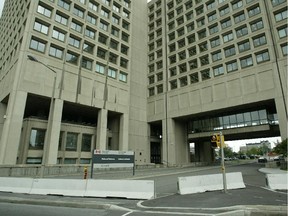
<point x="126" y="75"/>
<point x="215" y="65"/>
<point x="80" y="58"/>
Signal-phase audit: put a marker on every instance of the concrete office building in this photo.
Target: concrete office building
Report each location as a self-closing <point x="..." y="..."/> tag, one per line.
<point x="152" y="78"/>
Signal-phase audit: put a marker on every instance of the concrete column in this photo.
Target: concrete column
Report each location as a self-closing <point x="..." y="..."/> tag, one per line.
<point x="123" y="132"/>
<point x="164" y="155"/>
<point x="169" y="154"/>
<point x="3" y="108"/>
<point x="101" y="141"/>
<point x="52" y="149"/>
<point x="282" y="118"/>
<point x="11" y="132"/>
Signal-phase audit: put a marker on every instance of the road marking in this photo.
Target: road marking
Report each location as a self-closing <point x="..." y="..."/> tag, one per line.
<point x="128" y="213"/>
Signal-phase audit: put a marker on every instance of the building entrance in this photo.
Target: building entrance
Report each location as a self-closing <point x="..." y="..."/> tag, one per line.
<point x="155" y="152"/>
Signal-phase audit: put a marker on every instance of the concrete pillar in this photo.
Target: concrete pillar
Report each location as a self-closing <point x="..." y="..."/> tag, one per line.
<point x="3" y="108"/>
<point x="11" y="133"/>
<point x="282" y="118"/>
<point x="123" y="132"/>
<point x="101" y="141"/>
<point x="52" y="150"/>
<point x="165" y="137"/>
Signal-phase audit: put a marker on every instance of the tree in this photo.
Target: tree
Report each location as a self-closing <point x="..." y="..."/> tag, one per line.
<point x="281" y="148"/>
<point x="228" y="152"/>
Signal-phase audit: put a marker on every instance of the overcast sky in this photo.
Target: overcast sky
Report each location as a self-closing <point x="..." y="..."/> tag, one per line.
<point x="1" y="6"/>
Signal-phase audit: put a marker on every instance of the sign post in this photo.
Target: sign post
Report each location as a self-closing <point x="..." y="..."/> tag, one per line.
<point x="223" y="162"/>
<point x="112" y="159"/>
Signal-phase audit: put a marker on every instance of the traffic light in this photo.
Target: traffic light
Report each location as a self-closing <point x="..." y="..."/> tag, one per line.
<point x="215" y="140"/>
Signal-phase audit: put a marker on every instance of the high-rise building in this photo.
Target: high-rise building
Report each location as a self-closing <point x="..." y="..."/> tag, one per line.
<point x="126" y="75"/>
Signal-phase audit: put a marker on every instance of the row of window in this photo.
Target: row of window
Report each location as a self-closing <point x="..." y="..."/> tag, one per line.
<point x="87" y="63"/>
<point x="79" y="11"/>
<point x="237" y="120"/>
<point x="89" y="31"/>
<point x="231" y="66"/>
<point x="66" y="160"/>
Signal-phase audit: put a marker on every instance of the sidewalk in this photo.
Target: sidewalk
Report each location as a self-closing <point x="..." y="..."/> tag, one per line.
<point x="272" y="171"/>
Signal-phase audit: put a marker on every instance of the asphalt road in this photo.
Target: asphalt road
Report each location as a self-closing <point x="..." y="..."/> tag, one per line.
<point x="168" y="201"/>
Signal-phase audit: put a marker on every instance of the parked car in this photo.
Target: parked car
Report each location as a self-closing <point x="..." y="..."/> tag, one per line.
<point x="262" y="160"/>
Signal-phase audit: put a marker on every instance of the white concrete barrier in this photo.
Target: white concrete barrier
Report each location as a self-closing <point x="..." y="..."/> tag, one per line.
<point x="130" y="189"/>
<point x="65" y="187"/>
<point x="277" y="181"/>
<point x="199" y="184"/>
<point x="16" y="185"/>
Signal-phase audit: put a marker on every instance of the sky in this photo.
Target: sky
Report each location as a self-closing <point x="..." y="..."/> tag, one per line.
<point x="1" y="6"/>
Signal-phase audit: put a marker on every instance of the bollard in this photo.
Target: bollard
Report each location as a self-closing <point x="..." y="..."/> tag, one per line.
<point x="85" y="172"/>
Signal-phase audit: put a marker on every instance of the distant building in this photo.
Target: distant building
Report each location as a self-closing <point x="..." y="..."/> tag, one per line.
<point x="250" y="146"/>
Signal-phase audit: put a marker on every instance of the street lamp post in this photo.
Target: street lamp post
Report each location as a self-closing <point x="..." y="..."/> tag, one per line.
<point x="50" y="118"/>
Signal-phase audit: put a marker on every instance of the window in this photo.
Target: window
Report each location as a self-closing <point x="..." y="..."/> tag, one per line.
<point x="180" y="21"/>
<point x="181" y="43"/>
<point x="116" y="8"/>
<point x="215" y="42"/>
<point x="159" y="89"/>
<point x="76" y="26"/>
<point x="36" y="140"/>
<point x="37" y="45"/>
<point x="281" y="15"/>
<point x="107" y="2"/>
<point x="284" y="48"/>
<point x="102" y="39"/>
<point x="41" y="27"/>
<point x="125" y="37"/>
<point x="125" y="25"/>
<point x="61" y="19"/>
<point x="55" y="52"/>
<point x="200" y="22"/>
<point x="200" y="10"/>
<point x="193" y="64"/>
<point x="159" y="76"/>
<point x="262" y="57"/>
<point x="212" y="17"/>
<point x="151" y="79"/>
<point x="283" y="32"/>
<point x="192" y="51"/>
<point x="173" y="84"/>
<point x="244" y="46"/>
<point x="190" y="27"/>
<point x="228" y="37"/>
<point x="213" y="29"/>
<point x="202" y="34"/>
<point x="115" y="32"/>
<point x="204" y="60"/>
<point x="254" y="11"/>
<point x="71" y="141"/>
<point x="182" y="68"/>
<point x="64" y="4"/>
<point x="180" y="32"/>
<point x="112" y="72"/>
<point x="237" y="4"/>
<point x="70" y="160"/>
<point x="104" y="13"/>
<point x="58" y="35"/>
<point x="123" y="63"/>
<point x="257" y="25"/>
<point x="44" y="11"/>
<point x="179" y="10"/>
<point x="124" y="49"/>
<point x="191" y="38"/>
<point x="226" y="23"/>
<point x="211" y="5"/>
<point x="229" y="51"/>
<point x="259" y="40"/>
<point x="92" y="6"/>
<point x="71" y="58"/>
<point x="216" y="56"/>
<point x="88" y="47"/>
<point x="231" y="66"/>
<point x="246" y="62"/>
<point x="173" y="71"/>
<point x="90" y="33"/>
<point x="114" y="44"/>
<point x="194" y="78"/>
<point x="183" y="81"/>
<point x="277" y="2"/>
<point x="224" y="10"/>
<point x="78" y="12"/>
<point x="113" y="58"/>
<point x="100" y="68"/>
<point x="219" y="70"/>
<point x="159" y="65"/>
<point x="189" y="16"/>
<point x="182" y="55"/>
<point x="101" y="53"/>
<point x="125" y="14"/>
<point x="239" y="18"/>
<point x="243" y="30"/>
<point x="151" y="91"/>
<point x="87" y="63"/>
<point x="103" y="26"/>
<point x="123" y="77"/>
<point x="205" y="74"/>
<point x="74" y="41"/>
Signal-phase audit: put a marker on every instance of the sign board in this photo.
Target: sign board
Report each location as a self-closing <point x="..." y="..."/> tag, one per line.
<point x="112" y="159"/>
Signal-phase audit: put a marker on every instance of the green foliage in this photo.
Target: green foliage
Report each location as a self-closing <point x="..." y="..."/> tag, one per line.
<point x="281" y="148"/>
<point x="228" y="152"/>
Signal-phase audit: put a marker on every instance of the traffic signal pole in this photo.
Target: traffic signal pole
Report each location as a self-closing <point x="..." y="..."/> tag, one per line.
<point x="223" y="162"/>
